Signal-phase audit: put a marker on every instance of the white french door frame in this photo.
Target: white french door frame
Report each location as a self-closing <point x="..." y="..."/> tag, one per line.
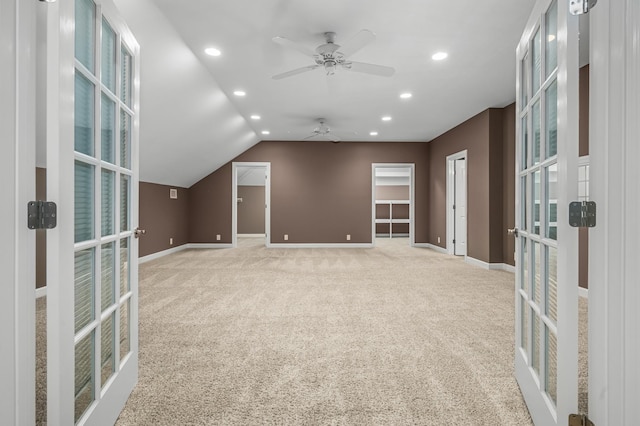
<point x="17" y="174"/>
<point x="412" y="197"/>
<point x="59" y="98"/>
<point x="540" y="406"/>
<point x="614" y="244"/>
<point x="451" y="188"/>
<point x="234" y="200"/>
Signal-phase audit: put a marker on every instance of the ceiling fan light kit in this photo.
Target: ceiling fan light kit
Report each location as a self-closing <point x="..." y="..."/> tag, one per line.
<point x="331" y="56"/>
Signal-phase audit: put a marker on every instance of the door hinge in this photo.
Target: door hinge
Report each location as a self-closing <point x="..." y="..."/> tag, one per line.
<point x="454" y="206"/>
<point x="454" y="241"/>
<point x="579" y="420"/>
<point x="42" y="215"/>
<point x="580" y="7"/>
<point x="582" y="214"/>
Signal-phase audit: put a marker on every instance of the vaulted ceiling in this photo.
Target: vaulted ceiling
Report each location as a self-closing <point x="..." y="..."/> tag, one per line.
<point x="192" y="123"/>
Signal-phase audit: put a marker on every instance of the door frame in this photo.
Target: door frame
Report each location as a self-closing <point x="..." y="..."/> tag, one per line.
<point x="451" y="217"/>
<point x="412" y="197"/>
<point x="234" y="197"/>
<point x="614" y="244"/>
<point x="17" y="171"/>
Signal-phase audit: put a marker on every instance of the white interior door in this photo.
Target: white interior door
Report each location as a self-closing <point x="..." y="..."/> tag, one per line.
<point x="92" y="164"/>
<point x="460" y="207"/>
<point x="546" y="171"/>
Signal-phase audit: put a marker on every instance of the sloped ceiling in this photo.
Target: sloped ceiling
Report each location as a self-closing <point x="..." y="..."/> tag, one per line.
<point x="191" y="123"/>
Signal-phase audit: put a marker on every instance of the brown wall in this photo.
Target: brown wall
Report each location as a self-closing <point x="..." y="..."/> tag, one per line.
<point x="320" y="191"/>
<point x="482" y="137"/>
<point x="251" y="210"/>
<point x="509" y="183"/>
<point x="41" y="234"/>
<point x="162" y="217"/>
<point x="583" y="235"/>
<point x="392" y="192"/>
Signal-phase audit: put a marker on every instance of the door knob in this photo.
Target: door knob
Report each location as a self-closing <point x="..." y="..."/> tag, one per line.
<point x="513" y="232"/>
<point x="139" y="232"/>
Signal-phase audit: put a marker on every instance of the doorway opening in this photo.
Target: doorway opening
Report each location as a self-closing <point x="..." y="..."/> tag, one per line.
<point x="457" y="204"/>
<point x="251" y="202"/>
<point x="392" y="209"/>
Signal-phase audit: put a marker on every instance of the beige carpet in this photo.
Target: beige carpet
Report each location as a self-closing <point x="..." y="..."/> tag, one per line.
<point x="385" y="336"/>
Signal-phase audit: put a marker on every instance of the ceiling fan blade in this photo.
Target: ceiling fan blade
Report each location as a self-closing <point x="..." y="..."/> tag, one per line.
<point x="295" y="72"/>
<point x="295" y="46"/>
<point x="380" y="70"/>
<point x="331" y="137"/>
<point x="356" y="43"/>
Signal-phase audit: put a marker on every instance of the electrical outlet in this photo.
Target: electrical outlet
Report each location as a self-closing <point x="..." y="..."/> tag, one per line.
<point x="348" y="237"/>
<point x="218" y="237"/>
<point x="286" y="237"/>
<point x="170" y="241"/>
<point x="438" y="240"/>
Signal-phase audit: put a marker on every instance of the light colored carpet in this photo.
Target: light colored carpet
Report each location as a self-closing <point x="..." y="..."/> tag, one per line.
<point x="388" y="336"/>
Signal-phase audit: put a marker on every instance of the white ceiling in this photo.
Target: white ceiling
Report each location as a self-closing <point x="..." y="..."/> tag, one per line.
<point x="191" y="123"/>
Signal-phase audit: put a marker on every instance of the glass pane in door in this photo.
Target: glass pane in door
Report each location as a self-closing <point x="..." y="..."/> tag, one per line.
<point x="84" y="375"/>
<point x="85" y="33"/>
<point x="108" y="56"/>
<point x="551" y="49"/>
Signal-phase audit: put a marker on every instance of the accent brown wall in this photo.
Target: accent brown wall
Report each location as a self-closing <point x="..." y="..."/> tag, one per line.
<point x="320" y="191"/>
<point x="41" y="234"/>
<point x="162" y="217"/>
<point x="583" y="234"/>
<point x="483" y="136"/>
<point x="392" y="192"/>
<point x="509" y="183"/>
<point x="251" y="210"/>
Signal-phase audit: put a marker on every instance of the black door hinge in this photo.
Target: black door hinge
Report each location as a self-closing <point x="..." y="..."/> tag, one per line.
<point x="582" y="214"/>
<point x="579" y="420"/>
<point x="42" y="215"/>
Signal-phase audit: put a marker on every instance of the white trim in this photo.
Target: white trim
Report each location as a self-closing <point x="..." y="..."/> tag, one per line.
<point x="506" y="267"/>
<point x="17" y="133"/>
<point x="412" y="198"/>
<point x="321" y="245"/>
<point x="614" y="318"/>
<point x="251" y="235"/>
<point x="208" y="246"/>
<point x="489" y="266"/>
<point x="41" y="292"/>
<point x="234" y="198"/>
<point x="432" y="247"/>
<point x="450" y="215"/>
<point x="583" y="292"/>
<point x="159" y="254"/>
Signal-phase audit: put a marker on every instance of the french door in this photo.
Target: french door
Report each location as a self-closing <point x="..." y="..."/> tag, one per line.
<point x="546" y="171"/>
<point x="92" y="169"/>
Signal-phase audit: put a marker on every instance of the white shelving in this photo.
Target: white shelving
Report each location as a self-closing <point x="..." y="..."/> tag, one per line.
<point x="391" y="220"/>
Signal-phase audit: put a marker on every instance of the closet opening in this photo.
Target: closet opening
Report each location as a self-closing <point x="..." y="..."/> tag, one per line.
<point x="392" y="208"/>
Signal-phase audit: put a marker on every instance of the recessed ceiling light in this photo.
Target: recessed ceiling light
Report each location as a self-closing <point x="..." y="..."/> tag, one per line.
<point x="240" y="93"/>
<point x="255" y="117"/>
<point x="266" y="132"/>
<point x="439" y="56"/>
<point x="212" y="51"/>
<point x="373" y="133"/>
<point x="386" y="118"/>
<point x="406" y="95"/>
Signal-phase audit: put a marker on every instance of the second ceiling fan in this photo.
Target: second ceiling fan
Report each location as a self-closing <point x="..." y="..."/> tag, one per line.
<point x="331" y="56"/>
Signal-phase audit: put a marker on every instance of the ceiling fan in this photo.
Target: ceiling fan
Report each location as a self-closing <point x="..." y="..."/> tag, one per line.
<point x="323" y="131"/>
<point x="331" y="56"/>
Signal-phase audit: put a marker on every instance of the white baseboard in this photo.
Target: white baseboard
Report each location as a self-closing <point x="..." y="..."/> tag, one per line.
<point x="583" y="292"/>
<point x="163" y="253"/>
<point x="41" y="292"/>
<point x="251" y="235"/>
<point x="320" y="245"/>
<point x="490" y="266"/>
<point x="209" y="245"/>
<point x="432" y="247"/>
